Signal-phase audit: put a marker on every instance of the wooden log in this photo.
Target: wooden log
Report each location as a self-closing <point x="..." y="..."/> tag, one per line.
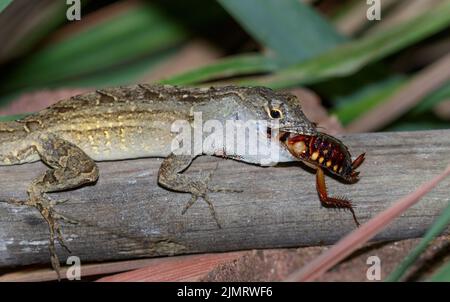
<point x="126" y="215"/>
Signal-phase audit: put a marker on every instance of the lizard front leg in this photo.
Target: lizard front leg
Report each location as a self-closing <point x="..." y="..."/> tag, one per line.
<point x="70" y="168"/>
<point x="170" y="176"/>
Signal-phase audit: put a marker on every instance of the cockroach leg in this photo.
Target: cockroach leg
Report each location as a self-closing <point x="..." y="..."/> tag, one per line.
<point x="332" y="202"/>
<point x="358" y="161"/>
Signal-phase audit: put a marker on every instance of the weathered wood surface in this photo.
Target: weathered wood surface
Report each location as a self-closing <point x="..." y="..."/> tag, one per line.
<point x="126" y="215"/>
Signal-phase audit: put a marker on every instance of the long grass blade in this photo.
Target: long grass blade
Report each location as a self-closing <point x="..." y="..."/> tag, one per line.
<point x="437" y="228"/>
<point x="4" y="4"/>
<point x="145" y="29"/>
<point x="290" y="28"/>
<point x="354" y="240"/>
<point x="352" y="56"/>
<point x="443" y="275"/>
<point x="425" y="82"/>
<point x="228" y="67"/>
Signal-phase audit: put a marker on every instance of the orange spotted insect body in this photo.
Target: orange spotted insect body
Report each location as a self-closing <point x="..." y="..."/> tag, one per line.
<point x="324" y="152"/>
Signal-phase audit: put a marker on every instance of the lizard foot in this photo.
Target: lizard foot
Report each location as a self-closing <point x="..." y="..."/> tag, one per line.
<point x="170" y="177"/>
<point x="45" y="206"/>
<point x="69" y="168"/>
<point x="201" y="188"/>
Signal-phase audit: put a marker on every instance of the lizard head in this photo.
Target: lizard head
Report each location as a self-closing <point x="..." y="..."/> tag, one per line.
<point x="281" y="111"/>
<point x="264" y="117"/>
<point x="281" y="115"/>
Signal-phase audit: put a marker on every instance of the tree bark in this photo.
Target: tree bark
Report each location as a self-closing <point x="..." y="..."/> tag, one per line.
<point x="127" y="215"/>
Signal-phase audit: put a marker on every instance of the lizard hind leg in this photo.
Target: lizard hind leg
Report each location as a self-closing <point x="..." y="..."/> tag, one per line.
<point x="70" y="168"/>
<point x="170" y="177"/>
<point x="332" y="202"/>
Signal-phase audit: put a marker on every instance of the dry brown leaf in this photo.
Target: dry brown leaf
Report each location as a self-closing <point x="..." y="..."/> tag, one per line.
<point x="47" y="274"/>
<point x="401" y="13"/>
<point x="315" y="112"/>
<point x="356" y="19"/>
<point x="194" y="54"/>
<point x="35" y="101"/>
<point x="18" y="24"/>
<point x="421" y="55"/>
<point x="177" y="268"/>
<point x="426" y="81"/>
<point x="442" y="110"/>
<point x="92" y="19"/>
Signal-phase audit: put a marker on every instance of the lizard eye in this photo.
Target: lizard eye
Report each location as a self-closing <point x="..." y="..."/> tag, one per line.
<point x="275" y="113"/>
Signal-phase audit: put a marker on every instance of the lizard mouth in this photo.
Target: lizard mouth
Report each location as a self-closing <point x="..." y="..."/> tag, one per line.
<point x="282" y="136"/>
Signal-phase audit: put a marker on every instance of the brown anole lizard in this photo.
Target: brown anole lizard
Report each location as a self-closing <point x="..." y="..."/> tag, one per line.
<point x="133" y="122"/>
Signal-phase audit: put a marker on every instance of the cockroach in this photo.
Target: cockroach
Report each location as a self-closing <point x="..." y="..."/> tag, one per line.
<point x="325" y="152"/>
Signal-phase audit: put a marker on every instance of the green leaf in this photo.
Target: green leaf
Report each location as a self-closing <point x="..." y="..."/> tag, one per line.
<point x="121" y="75"/>
<point x="228" y="67"/>
<point x="140" y="31"/>
<point x="367" y="98"/>
<point x="431" y="100"/>
<point x="293" y="30"/>
<point x="437" y="228"/>
<point x="443" y="275"/>
<point x="418" y="124"/>
<point x="4" y="4"/>
<point x="8" y="118"/>
<point x="352" y="56"/>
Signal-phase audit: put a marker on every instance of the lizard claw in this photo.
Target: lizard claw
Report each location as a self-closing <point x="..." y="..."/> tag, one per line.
<point x="58" y="202"/>
<point x="205" y="197"/>
<point x="216" y="189"/>
<point x="45" y="206"/>
<point x="53" y="219"/>
<point x="16" y="202"/>
<point x="61" y="217"/>
<point x="201" y="189"/>
<point x="224" y="190"/>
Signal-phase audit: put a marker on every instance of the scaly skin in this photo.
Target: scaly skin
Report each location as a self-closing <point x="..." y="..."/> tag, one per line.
<point x="134" y="122"/>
